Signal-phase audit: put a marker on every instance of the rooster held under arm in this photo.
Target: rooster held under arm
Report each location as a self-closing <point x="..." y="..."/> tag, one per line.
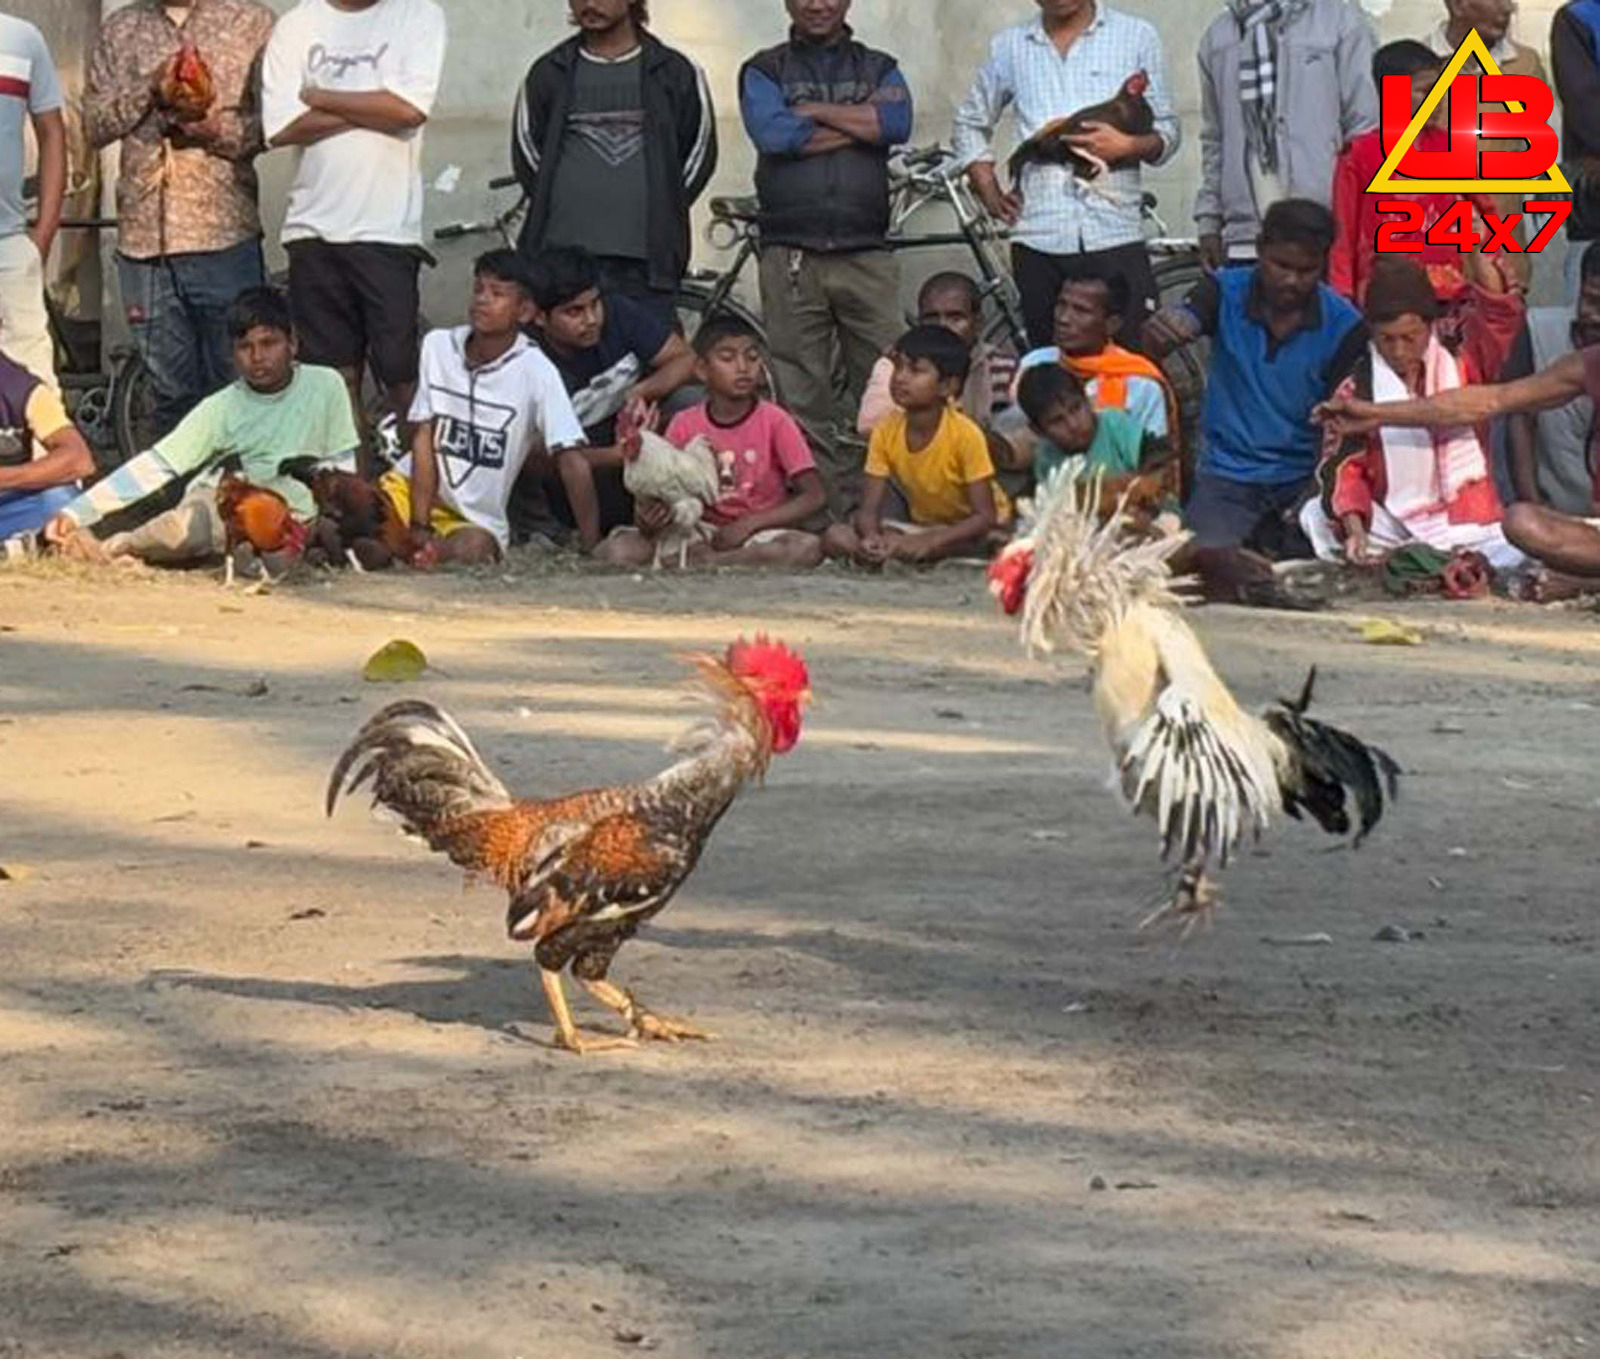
<point x="1185" y="753"/>
<point x="585" y="872"/>
<point x="1128" y="112"/>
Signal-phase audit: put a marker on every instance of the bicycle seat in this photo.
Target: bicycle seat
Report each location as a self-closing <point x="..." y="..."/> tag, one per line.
<point x="740" y="209"/>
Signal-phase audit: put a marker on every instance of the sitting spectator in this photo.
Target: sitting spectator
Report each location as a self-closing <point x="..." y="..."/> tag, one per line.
<point x="1548" y="455"/>
<point x="486" y="398"/>
<point x="770" y="483"/>
<point x="1067" y="428"/>
<point x="929" y="456"/>
<point x="1356" y="212"/>
<point x="1282" y="341"/>
<point x="953" y="301"/>
<point x="610" y="351"/>
<point x="42" y="458"/>
<point x="1088" y="314"/>
<point x="277" y="411"/>
<point x="1392" y="487"/>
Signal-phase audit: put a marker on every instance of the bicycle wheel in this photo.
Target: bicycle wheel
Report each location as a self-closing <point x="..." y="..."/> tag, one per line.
<point x="133" y="405"/>
<point x="1186" y="368"/>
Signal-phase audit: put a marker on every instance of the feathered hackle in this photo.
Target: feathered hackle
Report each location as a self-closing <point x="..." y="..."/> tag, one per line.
<point x="1086" y="574"/>
<point x="734" y="712"/>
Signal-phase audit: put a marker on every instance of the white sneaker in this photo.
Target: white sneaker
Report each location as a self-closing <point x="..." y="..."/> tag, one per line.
<point x="23" y="548"/>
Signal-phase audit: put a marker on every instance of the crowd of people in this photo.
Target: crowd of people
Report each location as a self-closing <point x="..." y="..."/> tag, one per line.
<point x="1352" y="410"/>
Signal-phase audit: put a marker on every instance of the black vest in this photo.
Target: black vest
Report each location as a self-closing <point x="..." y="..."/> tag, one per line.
<point x="836" y="202"/>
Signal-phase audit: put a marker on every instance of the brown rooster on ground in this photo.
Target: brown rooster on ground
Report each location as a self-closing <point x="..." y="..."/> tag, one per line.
<point x="585" y="871"/>
<point x="1129" y="111"/>
<point x="356" y="521"/>
<point x="258" y="517"/>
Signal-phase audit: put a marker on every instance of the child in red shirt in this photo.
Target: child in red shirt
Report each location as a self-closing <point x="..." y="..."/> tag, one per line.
<point x="1356" y="211"/>
<point x="769" y="480"/>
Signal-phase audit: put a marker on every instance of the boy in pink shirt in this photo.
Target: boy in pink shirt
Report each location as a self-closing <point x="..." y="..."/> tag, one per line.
<point x="770" y="483"/>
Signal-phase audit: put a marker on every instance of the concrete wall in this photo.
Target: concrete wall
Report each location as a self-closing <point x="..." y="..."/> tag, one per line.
<point x="940" y="43"/>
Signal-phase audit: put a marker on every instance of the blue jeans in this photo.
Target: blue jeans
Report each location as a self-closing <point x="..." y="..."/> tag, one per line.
<point x="177" y="308"/>
<point x="29" y="511"/>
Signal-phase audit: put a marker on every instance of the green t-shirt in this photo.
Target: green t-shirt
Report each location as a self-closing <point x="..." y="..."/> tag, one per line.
<point x="1117" y="449"/>
<point x="310" y="418"/>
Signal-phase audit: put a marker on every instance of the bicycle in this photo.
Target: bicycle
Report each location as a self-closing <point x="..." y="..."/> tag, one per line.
<point x="110" y="396"/>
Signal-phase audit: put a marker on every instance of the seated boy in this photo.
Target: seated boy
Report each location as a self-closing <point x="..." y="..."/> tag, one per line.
<point x="276" y="411"/>
<point x="770" y="483"/>
<point x="930" y="456"/>
<point x="611" y="352"/>
<point x="486" y="396"/>
<point x="42" y="458"/>
<point x="953" y="301"/>
<point x="1067" y="428"/>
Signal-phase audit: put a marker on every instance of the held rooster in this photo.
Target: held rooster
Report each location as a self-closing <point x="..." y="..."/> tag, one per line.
<point x="686" y="479"/>
<point x="356" y="522"/>
<point x="1184" y="751"/>
<point x="585" y="872"/>
<point x="254" y="516"/>
<point x="1129" y="111"/>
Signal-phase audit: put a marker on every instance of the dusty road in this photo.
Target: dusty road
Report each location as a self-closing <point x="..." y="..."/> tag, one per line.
<point x="258" y="1097"/>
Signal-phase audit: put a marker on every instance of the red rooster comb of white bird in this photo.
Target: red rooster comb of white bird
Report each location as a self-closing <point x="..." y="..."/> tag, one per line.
<point x="1008" y="576"/>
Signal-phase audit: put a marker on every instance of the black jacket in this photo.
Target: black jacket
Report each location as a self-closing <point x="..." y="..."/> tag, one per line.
<point x="832" y="203"/>
<point x="1577" y="80"/>
<point x="680" y="146"/>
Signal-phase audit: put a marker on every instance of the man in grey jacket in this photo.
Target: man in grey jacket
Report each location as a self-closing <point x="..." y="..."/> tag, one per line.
<point x="1284" y="84"/>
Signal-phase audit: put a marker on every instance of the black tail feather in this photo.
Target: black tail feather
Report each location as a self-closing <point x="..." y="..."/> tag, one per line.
<point x="1331" y="768"/>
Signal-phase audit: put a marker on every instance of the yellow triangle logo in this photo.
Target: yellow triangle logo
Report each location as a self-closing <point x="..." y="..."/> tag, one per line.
<point x="1388" y="178"/>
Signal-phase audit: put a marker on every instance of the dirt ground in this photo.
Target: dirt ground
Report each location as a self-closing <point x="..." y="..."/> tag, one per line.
<point x="260" y="1094"/>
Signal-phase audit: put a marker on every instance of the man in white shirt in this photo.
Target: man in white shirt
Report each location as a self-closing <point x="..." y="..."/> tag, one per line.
<point x="350" y="85"/>
<point x="29" y="91"/>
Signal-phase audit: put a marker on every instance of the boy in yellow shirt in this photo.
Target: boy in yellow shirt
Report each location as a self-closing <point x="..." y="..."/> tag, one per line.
<point x="930" y="488"/>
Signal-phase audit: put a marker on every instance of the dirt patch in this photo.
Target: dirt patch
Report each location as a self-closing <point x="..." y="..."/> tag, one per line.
<point x="259" y="1094"/>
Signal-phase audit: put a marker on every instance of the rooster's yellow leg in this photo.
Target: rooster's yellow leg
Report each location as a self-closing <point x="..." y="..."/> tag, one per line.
<point x="1194" y="903"/>
<point x="567" y="1035"/>
<point x="640" y="1021"/>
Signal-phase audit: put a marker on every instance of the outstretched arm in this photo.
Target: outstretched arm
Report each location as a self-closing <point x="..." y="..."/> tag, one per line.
<point x="1546" y="390"/>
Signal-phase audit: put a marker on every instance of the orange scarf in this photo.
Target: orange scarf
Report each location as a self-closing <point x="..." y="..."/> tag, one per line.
<point x="1111" y="368"/>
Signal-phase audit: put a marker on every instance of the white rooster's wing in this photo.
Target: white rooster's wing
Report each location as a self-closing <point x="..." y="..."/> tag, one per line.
<point x="662" y="471"/>
<point x="1187" y="755"/>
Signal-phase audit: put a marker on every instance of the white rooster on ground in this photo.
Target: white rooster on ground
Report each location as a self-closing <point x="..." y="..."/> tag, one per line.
<point x="686" y="479"/>
<point x="1185" y="752"/>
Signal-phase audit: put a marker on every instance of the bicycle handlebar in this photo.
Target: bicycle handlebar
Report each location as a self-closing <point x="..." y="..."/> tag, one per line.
<point x="503" y="182"/>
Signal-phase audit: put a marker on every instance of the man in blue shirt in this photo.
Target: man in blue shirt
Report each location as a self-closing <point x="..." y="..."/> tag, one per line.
<point x="823" y="111"/>
<point x="1281" y="342"/>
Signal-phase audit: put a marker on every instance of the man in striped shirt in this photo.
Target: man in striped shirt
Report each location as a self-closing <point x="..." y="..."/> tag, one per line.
<point x="1076" y="54"/>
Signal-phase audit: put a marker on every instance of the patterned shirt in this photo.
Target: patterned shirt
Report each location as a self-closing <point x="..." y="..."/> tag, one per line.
<point x="180" y="193"/>
<point x="1025" y="70"/>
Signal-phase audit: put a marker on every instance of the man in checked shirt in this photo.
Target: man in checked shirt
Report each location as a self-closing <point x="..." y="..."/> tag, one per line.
<point x="1076" y="54"/>
<point x="189" y="234"/>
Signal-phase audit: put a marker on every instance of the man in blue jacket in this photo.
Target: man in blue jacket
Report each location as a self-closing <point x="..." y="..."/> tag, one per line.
<point x="823" y="111"/>
<point x="615" y="139"/>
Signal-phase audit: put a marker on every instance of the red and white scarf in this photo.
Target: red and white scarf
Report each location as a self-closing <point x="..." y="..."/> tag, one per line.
<point x="1437" y="480"/>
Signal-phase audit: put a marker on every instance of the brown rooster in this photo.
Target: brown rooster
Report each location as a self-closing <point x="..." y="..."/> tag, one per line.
<point x="187" y="89"/>
<point x="356" y="521"/>
<point x="1129" y="111"/>
<point x="258" y="517"/>
<point x="585" y="871"/>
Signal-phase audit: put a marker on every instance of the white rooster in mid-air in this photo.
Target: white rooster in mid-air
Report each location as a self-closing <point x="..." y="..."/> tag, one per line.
<point x="686" y="479"/>
<point x="1185" y="752"/>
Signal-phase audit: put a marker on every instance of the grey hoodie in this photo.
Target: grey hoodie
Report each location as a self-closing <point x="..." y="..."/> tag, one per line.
<point x="1325" y="97"/>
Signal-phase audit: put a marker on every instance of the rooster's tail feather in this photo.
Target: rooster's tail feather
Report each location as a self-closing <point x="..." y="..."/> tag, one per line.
<point x="1329" y="768"/>
<point x="425" y="770"/>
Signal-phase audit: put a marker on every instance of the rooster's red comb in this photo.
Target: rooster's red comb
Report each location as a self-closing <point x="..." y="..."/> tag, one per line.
<point x="770" y="661"/>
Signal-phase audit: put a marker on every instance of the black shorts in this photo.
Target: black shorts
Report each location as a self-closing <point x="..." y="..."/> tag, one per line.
<point x="356" y="305"/>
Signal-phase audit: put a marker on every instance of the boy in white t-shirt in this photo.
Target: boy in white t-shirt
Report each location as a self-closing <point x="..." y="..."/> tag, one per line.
<point x="485" y="398"/>
<point x="350" y="84"/>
